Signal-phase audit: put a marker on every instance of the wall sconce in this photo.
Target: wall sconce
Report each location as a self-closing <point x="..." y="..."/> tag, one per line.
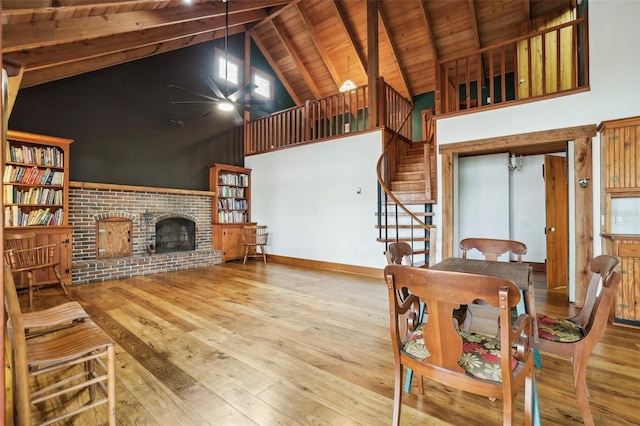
<point x="584" y="182"/>
<point x="514" y="163"/>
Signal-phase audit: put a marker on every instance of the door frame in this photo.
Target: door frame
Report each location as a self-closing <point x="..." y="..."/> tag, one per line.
<point x="542" y="142"/>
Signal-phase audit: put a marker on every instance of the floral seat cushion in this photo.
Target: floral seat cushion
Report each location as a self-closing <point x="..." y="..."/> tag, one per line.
<point x="558" y="329"/>
<point x="480" y="354"/>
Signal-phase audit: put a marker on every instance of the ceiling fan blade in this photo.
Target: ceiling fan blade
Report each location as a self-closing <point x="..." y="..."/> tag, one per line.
<point x="195" y="102"/>
<point x="173" y="86"/>
<point x="256" y="111"/>
<point x="214" y="88"/>
<point x="237" y="118"/>
<point x="241" y="92"/>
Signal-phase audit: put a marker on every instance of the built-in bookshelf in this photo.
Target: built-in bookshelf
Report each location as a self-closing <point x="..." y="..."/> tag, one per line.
<point x="231" y="208"/>
<point x="35" y="180"/>
<point x="232" y="187"/>
<point x="35" y="192"/>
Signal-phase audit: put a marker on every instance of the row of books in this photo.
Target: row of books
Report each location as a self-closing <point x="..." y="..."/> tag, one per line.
<point x="32" y="175"/>
<point x="13" y="195"/>
<point x="232" y="204"/>
<point x="47" y="156"/>
<point x="231" y="191"/>
<point x="14" y="216"/>
<point x="233" y="179"/>
<point x="232" y="217"/>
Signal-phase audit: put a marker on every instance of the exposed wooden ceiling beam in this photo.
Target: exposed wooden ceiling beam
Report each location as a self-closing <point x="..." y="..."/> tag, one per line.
<point x="406" y="89"/>
<point x="427" y="24"/>
<point x="278" y="13"/>
<point x="362" y="61"/>
<point x="319" y="46"/>
<point x="273" y="64"/>
<point x="291" y="50"/>
<point x="64" y="70"/>
<point x="48" y="33"/>
<point x="68" y="53"/>
<point x="476" y="37"/>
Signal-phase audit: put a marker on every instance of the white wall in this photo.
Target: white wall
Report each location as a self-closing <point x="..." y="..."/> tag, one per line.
<point x="527" y="208"/>
<point x="310" y="218"/>
<point x="615" y="93"/>
<point x="483" y="199"/>
<point x="308" y="197"/>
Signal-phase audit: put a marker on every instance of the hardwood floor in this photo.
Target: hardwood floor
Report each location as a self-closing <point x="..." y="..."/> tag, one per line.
<point x="274" y="344"/>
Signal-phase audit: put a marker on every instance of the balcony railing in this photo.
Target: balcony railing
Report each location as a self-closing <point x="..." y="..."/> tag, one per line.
<point x="336" y="115"/>
<point x="549" y="62"/>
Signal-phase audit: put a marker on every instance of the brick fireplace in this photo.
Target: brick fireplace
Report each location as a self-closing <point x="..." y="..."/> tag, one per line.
<point x="185" y="212"/>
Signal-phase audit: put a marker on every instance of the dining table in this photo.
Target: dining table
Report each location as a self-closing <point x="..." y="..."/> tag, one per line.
<point x="521" y="274"/>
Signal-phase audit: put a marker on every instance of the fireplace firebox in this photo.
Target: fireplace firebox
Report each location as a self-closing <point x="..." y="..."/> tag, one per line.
<point x="175" y="234"/>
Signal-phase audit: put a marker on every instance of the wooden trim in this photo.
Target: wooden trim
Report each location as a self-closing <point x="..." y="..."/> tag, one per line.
<point x="509" y="143"/>
<point x="538" y="140"/>
<point x="583" y="168"/>
<point x="317" y="264"/>
<point x="448" y="212"/>
<point x="131" y="188"/>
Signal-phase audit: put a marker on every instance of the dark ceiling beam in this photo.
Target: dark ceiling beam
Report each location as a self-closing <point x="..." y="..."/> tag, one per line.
<point x="396" y="58"/>
<point x="319" y="46"/>
<point x="362" y="61"/>
<point x="48" y="33"/>
<point x="291" y="50"/>
<point x="274" y="65"/>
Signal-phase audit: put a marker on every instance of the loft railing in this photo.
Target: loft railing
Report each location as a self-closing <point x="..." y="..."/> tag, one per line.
<point x="549" y="62"/>
<point x="336" y="115"/>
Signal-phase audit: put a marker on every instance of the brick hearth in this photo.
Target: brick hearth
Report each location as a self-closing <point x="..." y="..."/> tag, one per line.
<point x="89" y="202"/>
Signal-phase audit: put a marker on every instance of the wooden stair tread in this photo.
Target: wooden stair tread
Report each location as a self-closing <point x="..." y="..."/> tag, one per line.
<point x="396" y="226"/>
<point x="403" y="213"/>
<point x="402" y="239"/>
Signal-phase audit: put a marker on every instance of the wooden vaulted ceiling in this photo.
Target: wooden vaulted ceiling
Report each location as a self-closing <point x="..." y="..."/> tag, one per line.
<point x="313" y="45"/>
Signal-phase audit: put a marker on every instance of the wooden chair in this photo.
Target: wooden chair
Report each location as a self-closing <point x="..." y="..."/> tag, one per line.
<point x="399" y="253"/>
<point x="576" y="337"/>
<point x="25" y="257"/>
<point x="493" y="248"/>
<point x="254" y="237"/>
<point x="56" y="355"/>
<point x="438" y="350"/>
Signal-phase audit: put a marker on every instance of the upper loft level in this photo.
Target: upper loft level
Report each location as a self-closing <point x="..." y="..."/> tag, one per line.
<point x="551" y="60"/>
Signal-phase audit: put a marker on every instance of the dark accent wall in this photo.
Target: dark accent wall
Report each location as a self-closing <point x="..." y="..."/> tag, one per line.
<point x="120" y="119"/>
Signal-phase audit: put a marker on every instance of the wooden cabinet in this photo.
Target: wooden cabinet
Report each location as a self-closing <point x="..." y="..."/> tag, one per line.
<point x="231" y="208"/>
<point x="626" y="309"/>
<point x="620" y="211"/>
<point x="36" y="193"/>
<point x="228" y="238"/>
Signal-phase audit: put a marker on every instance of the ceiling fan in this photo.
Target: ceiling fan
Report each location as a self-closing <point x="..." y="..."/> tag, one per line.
<point x="228" y="102"/>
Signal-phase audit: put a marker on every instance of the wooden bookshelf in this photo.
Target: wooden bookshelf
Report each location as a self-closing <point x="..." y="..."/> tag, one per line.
<point x="35" y="188"/>
<point x="231" y="208"/>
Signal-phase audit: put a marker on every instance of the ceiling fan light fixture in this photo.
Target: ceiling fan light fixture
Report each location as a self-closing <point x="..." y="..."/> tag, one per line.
<point x="225" y="106"/>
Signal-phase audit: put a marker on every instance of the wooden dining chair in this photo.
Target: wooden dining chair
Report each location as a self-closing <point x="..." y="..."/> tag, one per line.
<point x="576" y="337"/>
<point x="255" y="237"/>
<point x="56" y="357"/>
<point x="438" y="350"/>
<point x="25" y="257"/>
<point x="492" y="249"/>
